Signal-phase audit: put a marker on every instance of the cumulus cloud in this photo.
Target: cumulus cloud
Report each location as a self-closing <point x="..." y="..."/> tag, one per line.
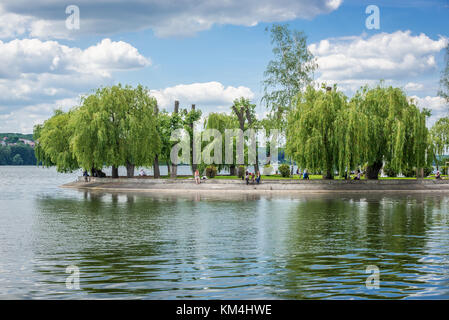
<point x="209" y="96"/>
<point x="390" y="56"/>
<point x="412" y="86"/>
<point x="438" y="106"/>
<point x="42" y="71"/>
<point x="46" y="18"/>
<point x="33" y="56"/>
<point x="40" y="76"/>
<point x="24" y="119"/>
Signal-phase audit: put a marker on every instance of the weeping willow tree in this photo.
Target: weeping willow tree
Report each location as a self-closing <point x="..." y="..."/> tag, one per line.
<point x="116" y="126"/>
<point x="440" y="138"/>
<point x="326" y="133"/>
<point x="392" y="129"/>
<point x="314" y="130"/>
<point x="53" y="142"/>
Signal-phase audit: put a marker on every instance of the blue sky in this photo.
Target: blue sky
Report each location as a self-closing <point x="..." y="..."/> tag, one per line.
<point x="207" y="52"/>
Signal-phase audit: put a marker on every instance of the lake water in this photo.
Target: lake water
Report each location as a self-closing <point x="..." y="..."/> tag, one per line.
<point x="216" y="246"/>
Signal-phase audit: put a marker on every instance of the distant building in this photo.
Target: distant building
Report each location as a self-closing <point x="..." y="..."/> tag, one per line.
<point x="28" y="142"/>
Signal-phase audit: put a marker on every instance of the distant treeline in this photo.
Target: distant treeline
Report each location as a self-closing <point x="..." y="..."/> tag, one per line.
<point x="14" y="137"/>
<point x="17" y="155"/>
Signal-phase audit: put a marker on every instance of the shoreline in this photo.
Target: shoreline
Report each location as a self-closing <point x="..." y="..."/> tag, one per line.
<point x="186" y="186"/>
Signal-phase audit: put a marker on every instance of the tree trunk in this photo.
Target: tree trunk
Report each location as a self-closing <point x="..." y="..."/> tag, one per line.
<point x="168" y="168"/>
<point x="372" y="171"/>
<point x="256" y="166"/>
<point x="129" y="170"/>
<point x="232" y="170"/>
<point x="328" y="176"/>
<point x="114" y="172"/>
<point x="194" y="165"/>
<point x="174" y="171"/>
<point x="157" y="173"/>
<point x="420" y="173"/>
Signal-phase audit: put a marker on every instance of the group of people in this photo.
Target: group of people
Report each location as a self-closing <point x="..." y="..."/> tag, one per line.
<point x="95" y="173"/>
<point x="305" y="174"/>
<point x="252" y="177"/>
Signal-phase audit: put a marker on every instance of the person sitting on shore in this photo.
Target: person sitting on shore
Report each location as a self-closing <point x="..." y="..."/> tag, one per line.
<point x="438" y="176"/>
<point x="357" y="177"/>
<point x="252" y="177"/>
<point x="258" y="177"/>
<point x="86" y="176"/>
<point x="305" y="176"/>
<point x="142" y="173"/>
<point x="247" y="177"/>
<point x="197" y="177"/>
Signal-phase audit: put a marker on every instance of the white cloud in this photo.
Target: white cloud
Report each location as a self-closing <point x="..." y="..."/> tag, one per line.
<point x="209" y="96"/>
<point x="412" y="86"/>
<point x="437" y="105"/>
<point x="42" y="71"/>
<point x="46" y="18"/>
<point x="41" y="76"/>
<point x="33" y="56"/>
<point x="13" y="25"/>
<point x="390" y="56"/>
<point x="23" y="119"/>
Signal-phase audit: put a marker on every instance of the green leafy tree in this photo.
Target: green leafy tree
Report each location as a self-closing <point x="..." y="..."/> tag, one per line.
<point x="325" y="133"/>
<point x="5" y="155"/>
<point x="440" y="139"/>
<point x="390" y="129"/>
<point x="17" y="160"/>
<point x="53" y="142"/>
<point x="26" y="153"/>
<point x="314" y="137"/>
<point x="116" y="126"/>
<point x="289" y="72"/>
<point x="89" y="141"/>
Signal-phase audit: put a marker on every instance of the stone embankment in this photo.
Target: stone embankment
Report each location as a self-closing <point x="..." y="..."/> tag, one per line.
<point x="234" y="185"/>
